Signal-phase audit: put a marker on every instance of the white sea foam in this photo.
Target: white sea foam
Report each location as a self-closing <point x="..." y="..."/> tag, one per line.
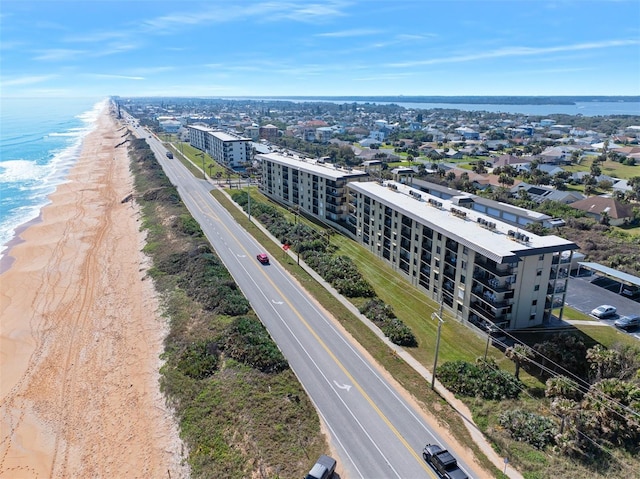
<point x="27" y="183"/>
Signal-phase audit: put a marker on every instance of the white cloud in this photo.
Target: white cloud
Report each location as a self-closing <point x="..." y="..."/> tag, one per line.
<point x="264" y="11"/>
<point x="113" y="76"/>
<point x="27" y="80"/>
<point x="58" y="54"/>
<point x="517" y="52"/>
<point x="349" y="33"/>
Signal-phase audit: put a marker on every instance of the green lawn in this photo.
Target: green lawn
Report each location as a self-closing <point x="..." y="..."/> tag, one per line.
<point x="610" y="168"/>
<point x="210" y="165"/>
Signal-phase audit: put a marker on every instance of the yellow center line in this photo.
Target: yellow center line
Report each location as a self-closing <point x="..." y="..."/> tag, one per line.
<point x="326" y="348"/>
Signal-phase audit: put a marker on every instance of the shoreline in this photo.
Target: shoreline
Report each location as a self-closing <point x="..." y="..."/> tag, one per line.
<point x="7" y="260"/>
<point x="81" y="332"/>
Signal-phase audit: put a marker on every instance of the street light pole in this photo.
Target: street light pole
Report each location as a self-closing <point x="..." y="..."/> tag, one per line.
<point x="298" y="235"/>
<point x="437" y="316"/>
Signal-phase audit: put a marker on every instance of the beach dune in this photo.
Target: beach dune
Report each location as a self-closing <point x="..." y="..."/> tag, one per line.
<point x="81" y="334"/>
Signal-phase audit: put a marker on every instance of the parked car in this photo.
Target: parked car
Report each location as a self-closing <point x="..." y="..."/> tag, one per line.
<point x="604" y="311"/>
<point x="263" y="258"/>
<point x="627" y="322"/>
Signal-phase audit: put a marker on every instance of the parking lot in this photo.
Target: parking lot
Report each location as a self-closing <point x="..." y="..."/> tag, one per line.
<point x="587" y="292"/>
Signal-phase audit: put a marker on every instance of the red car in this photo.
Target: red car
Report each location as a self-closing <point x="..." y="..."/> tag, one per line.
<point x="263" y="258"/>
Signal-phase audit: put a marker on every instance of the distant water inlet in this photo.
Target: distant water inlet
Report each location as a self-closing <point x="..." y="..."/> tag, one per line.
<point x="39" y="140"/>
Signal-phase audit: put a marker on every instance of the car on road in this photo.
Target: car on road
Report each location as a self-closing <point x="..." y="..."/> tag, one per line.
<point x="263" y="258"/>
<point x="443" y="462"/>
<point x="604" y="311"/>
<point x="323" y="468"/>
<point x="627" y="322"/>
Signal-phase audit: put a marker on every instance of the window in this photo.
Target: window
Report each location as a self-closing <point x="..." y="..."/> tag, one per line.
<point x="534" y="302"/>
<point x="532" y="317"/>
<point x="536" y="287"/>
<point x="539" y="272"/>
<point x="541" y="257"/>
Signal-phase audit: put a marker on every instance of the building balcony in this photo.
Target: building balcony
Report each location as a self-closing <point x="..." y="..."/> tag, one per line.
<point x="499" y="270"/>
<point x="449" y="270"/>
<point x="490" y="315"/>
<point x="491" y="299"/>
<point x="560" y="289"/>
<point x="493" y="283"/>
<point x="451" y="245"/>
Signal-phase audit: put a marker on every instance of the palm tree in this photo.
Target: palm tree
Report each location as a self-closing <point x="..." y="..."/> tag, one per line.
<point x="562" y="387"/>
<point x="564" y="408"/>
<point x="518" y="354"/>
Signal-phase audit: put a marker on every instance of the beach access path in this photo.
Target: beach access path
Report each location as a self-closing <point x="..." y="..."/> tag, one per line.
<point x="81" y="334"/>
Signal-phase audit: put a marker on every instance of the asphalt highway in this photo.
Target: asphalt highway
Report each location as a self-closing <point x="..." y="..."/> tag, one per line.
<point x="375" y="431"/>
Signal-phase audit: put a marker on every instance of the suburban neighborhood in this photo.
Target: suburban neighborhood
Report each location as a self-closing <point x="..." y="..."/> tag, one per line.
<point x="521" y="231"/>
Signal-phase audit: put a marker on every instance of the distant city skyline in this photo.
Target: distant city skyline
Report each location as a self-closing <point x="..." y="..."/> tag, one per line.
<point x="227" y="48"/>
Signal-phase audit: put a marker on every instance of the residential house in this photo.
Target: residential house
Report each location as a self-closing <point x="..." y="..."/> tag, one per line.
<point x="599" y="207"/>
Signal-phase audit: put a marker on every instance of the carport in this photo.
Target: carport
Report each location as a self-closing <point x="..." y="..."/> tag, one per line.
<point x="624" y="279"/>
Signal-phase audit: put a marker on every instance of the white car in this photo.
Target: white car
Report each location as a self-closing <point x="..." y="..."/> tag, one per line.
<point x="604" y="311"/>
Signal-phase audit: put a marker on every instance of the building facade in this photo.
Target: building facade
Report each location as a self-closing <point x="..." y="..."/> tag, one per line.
<point x="228" y="149"/>
<point x="317" y="188"/>
<point x="483" y="270"/>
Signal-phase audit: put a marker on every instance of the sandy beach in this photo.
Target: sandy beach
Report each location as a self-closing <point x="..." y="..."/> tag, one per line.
<point x="81" y="334"/>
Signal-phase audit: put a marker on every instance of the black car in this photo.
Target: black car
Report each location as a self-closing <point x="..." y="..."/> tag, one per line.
<point x="627" y="322"/>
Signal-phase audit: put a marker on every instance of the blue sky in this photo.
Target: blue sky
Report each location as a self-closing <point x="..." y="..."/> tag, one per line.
<point x="332" y="47"/>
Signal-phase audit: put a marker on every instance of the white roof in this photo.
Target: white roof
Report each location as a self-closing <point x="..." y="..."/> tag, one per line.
<point x="326" y="170"/>
<point x="495" y="243"/>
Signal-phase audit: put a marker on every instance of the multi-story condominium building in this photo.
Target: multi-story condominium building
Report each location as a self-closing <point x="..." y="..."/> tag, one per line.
<point x="483" y="270"/>
<point x="269" y="132"/>
<point x="317" y="188"/>
<point x="199" y="137"/>
<point x="514" y="215"/>
<point x="228" y="149"/>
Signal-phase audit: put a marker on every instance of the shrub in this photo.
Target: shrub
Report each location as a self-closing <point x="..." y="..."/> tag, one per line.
<point x="199" y="360"/>
<point x="399" y="333"/>
<point x="188" y="225"/>
<point x="383" y="316"/>
<point x="247" y="340"/>
<point x="528" y="427"/>
<point x="484" y="380"/>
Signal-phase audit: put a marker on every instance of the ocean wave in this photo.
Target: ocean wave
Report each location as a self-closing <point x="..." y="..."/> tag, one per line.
<point x="36" y="162"/>
<point x="66" y="133"/>
<point x="16" y="171"/>
<point x="18" y="217"/>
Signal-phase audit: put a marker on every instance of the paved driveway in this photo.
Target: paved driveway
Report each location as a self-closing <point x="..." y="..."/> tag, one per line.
<point x="583" y="295"/>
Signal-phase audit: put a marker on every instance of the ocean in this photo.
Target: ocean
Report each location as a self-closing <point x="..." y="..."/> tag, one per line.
<point x="40" y="138"/>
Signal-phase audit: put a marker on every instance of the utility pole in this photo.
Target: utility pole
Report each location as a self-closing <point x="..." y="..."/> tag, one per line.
<point x="437" y="316"/>
<point x="249" y="199"/>
<point x="486" y="349"/>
